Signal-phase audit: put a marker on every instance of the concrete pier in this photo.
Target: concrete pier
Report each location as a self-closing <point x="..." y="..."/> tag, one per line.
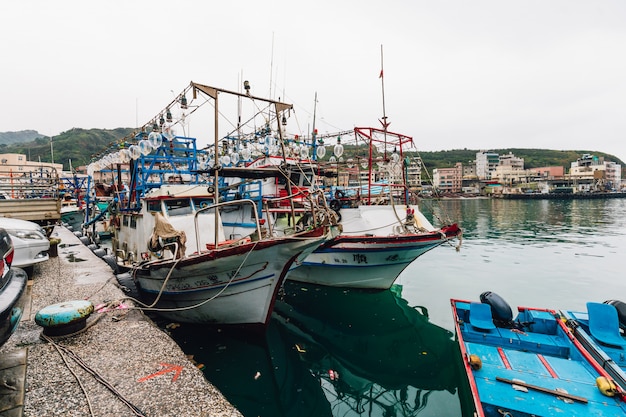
<point x="120" y="364"/>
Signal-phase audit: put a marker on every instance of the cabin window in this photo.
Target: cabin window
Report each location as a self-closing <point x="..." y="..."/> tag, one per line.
<point x="200" y="203"/>
<point x="178" y="206"/>
<point x="133" y="222"/>
<point x="154" y="205"/>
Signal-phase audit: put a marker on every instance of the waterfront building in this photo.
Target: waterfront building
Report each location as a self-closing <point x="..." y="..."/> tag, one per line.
<point x="448" y="180"/>
<point x="486" y="163"/>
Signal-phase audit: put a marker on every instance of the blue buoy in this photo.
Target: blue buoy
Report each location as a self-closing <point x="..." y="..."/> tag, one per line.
<point x="64" y="318"/>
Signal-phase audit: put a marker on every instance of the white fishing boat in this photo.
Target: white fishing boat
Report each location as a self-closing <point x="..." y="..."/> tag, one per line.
<point x="381" y="232"/>
<point x="194" y="255"/>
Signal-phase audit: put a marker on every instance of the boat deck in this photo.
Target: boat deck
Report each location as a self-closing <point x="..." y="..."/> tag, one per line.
<point x="535" y="370"/>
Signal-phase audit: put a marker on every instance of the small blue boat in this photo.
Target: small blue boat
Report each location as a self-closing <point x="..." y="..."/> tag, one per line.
<point x="598" y="330"/>
<point x="530" y="365"/>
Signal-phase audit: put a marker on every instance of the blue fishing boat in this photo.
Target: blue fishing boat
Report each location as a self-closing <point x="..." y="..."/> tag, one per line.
<point x="530" y="365"/>
<point x="599" y="330"/>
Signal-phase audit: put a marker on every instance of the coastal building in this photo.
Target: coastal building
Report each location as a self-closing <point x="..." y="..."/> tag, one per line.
<point x="17" y="163"/>
<point x="486" y="163"/>
<point x="448" y="180"/>
<point x="591" y="172"/>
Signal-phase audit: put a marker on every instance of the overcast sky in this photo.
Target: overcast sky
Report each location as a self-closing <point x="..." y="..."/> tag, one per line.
<point x="477" y="74"/>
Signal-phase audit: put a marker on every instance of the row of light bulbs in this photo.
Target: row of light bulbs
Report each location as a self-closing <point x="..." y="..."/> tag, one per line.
<point x="267" y="145"/>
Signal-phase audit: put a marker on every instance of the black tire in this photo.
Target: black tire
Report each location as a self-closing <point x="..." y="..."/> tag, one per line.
<point x="29" y="270"/>
<point x="340" y="194"/>
<point x="128" y="284"/>
<point x="110" y="260"/>
<point x="335" y="205"/>
<point x="85" y="240"/>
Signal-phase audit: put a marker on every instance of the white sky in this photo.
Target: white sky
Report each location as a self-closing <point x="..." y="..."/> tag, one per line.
<point x="477" y="74"/>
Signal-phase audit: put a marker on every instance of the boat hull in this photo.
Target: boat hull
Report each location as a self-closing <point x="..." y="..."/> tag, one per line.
<point x="225" y="286"/>
<point x="372" y="262"/>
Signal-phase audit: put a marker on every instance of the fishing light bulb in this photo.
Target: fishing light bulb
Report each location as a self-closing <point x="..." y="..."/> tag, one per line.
<point x="304" y="152"/>
<point x="145" y="147"/>
<point x="246" y="154"/>
<point x="395" y="157"/>
<point x="338" y="150"/>
<point x="234" y="158"/>
<point x="321" y="152"/>
<point x="135" y="153"/>
<point x="202" y="157"/>
<point x="155" y="140"/>
<point x="124" y="156"/>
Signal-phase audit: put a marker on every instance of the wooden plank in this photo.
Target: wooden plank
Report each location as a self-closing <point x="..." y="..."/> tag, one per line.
<point x="542" y="389"/>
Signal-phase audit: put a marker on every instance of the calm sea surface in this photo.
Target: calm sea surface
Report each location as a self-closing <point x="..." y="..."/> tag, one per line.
<point x="330" y="352"/>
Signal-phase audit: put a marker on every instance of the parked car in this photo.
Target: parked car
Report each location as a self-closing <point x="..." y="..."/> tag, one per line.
<point x="30" y="242"/>
<point x="12" y="289"/>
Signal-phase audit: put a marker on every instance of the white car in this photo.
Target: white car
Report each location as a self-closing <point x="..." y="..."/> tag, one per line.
<point x="29" y="240"/>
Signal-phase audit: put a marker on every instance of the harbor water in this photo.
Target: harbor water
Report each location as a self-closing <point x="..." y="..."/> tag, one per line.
<point x="334" y="352"/>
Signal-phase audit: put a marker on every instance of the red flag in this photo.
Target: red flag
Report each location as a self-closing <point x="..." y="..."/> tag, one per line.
<point x="381" y="74"/>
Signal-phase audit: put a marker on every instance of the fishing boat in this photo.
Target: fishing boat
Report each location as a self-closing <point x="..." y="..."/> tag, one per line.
<point x="530" y="365"/>
<point x="194" y="256"/>
<point x="382" y="230"/>
<point x="600" y="330"/>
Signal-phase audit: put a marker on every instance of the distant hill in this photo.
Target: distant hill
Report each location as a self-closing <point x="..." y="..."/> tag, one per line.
<point x="80" y="145"/>
<point x="77" y="145"/>
<point x="19" y="137"/>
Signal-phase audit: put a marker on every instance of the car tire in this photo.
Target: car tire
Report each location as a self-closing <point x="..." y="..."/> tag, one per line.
<point x="29" y="270"/>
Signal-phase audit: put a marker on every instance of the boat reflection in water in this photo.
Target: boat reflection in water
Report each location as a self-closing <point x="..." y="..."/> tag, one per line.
<point x="334" y="352"/>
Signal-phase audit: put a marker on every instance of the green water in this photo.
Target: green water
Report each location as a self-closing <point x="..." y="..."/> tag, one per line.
<point x="333" y="352"/>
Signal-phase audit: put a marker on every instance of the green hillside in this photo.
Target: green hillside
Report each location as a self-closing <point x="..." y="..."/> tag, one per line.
<point x="77" y="145"/>
<point x="80" y="145"/>
<point x="18" y="137"/>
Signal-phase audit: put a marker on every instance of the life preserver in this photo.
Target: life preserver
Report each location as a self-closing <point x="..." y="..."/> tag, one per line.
<point x="340" y="194"/>
<point x="335" y="205"/>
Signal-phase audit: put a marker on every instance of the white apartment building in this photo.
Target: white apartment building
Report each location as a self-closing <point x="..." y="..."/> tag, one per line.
<point x="486" y="163"/>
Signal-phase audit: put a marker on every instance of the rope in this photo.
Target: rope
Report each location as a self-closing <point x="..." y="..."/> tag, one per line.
<point x="67" y="365"/>
<point x="64" y="350"/>
<point x="152" y="308"/>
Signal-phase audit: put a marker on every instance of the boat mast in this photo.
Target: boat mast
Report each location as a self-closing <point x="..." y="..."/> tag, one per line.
<point x="313" y="133"/>
<point x="216" y="182"/>
<point x="382" y="84"/>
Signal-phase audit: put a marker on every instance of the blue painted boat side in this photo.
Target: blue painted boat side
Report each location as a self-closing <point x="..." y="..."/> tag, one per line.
<point x="539" y="351"/>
